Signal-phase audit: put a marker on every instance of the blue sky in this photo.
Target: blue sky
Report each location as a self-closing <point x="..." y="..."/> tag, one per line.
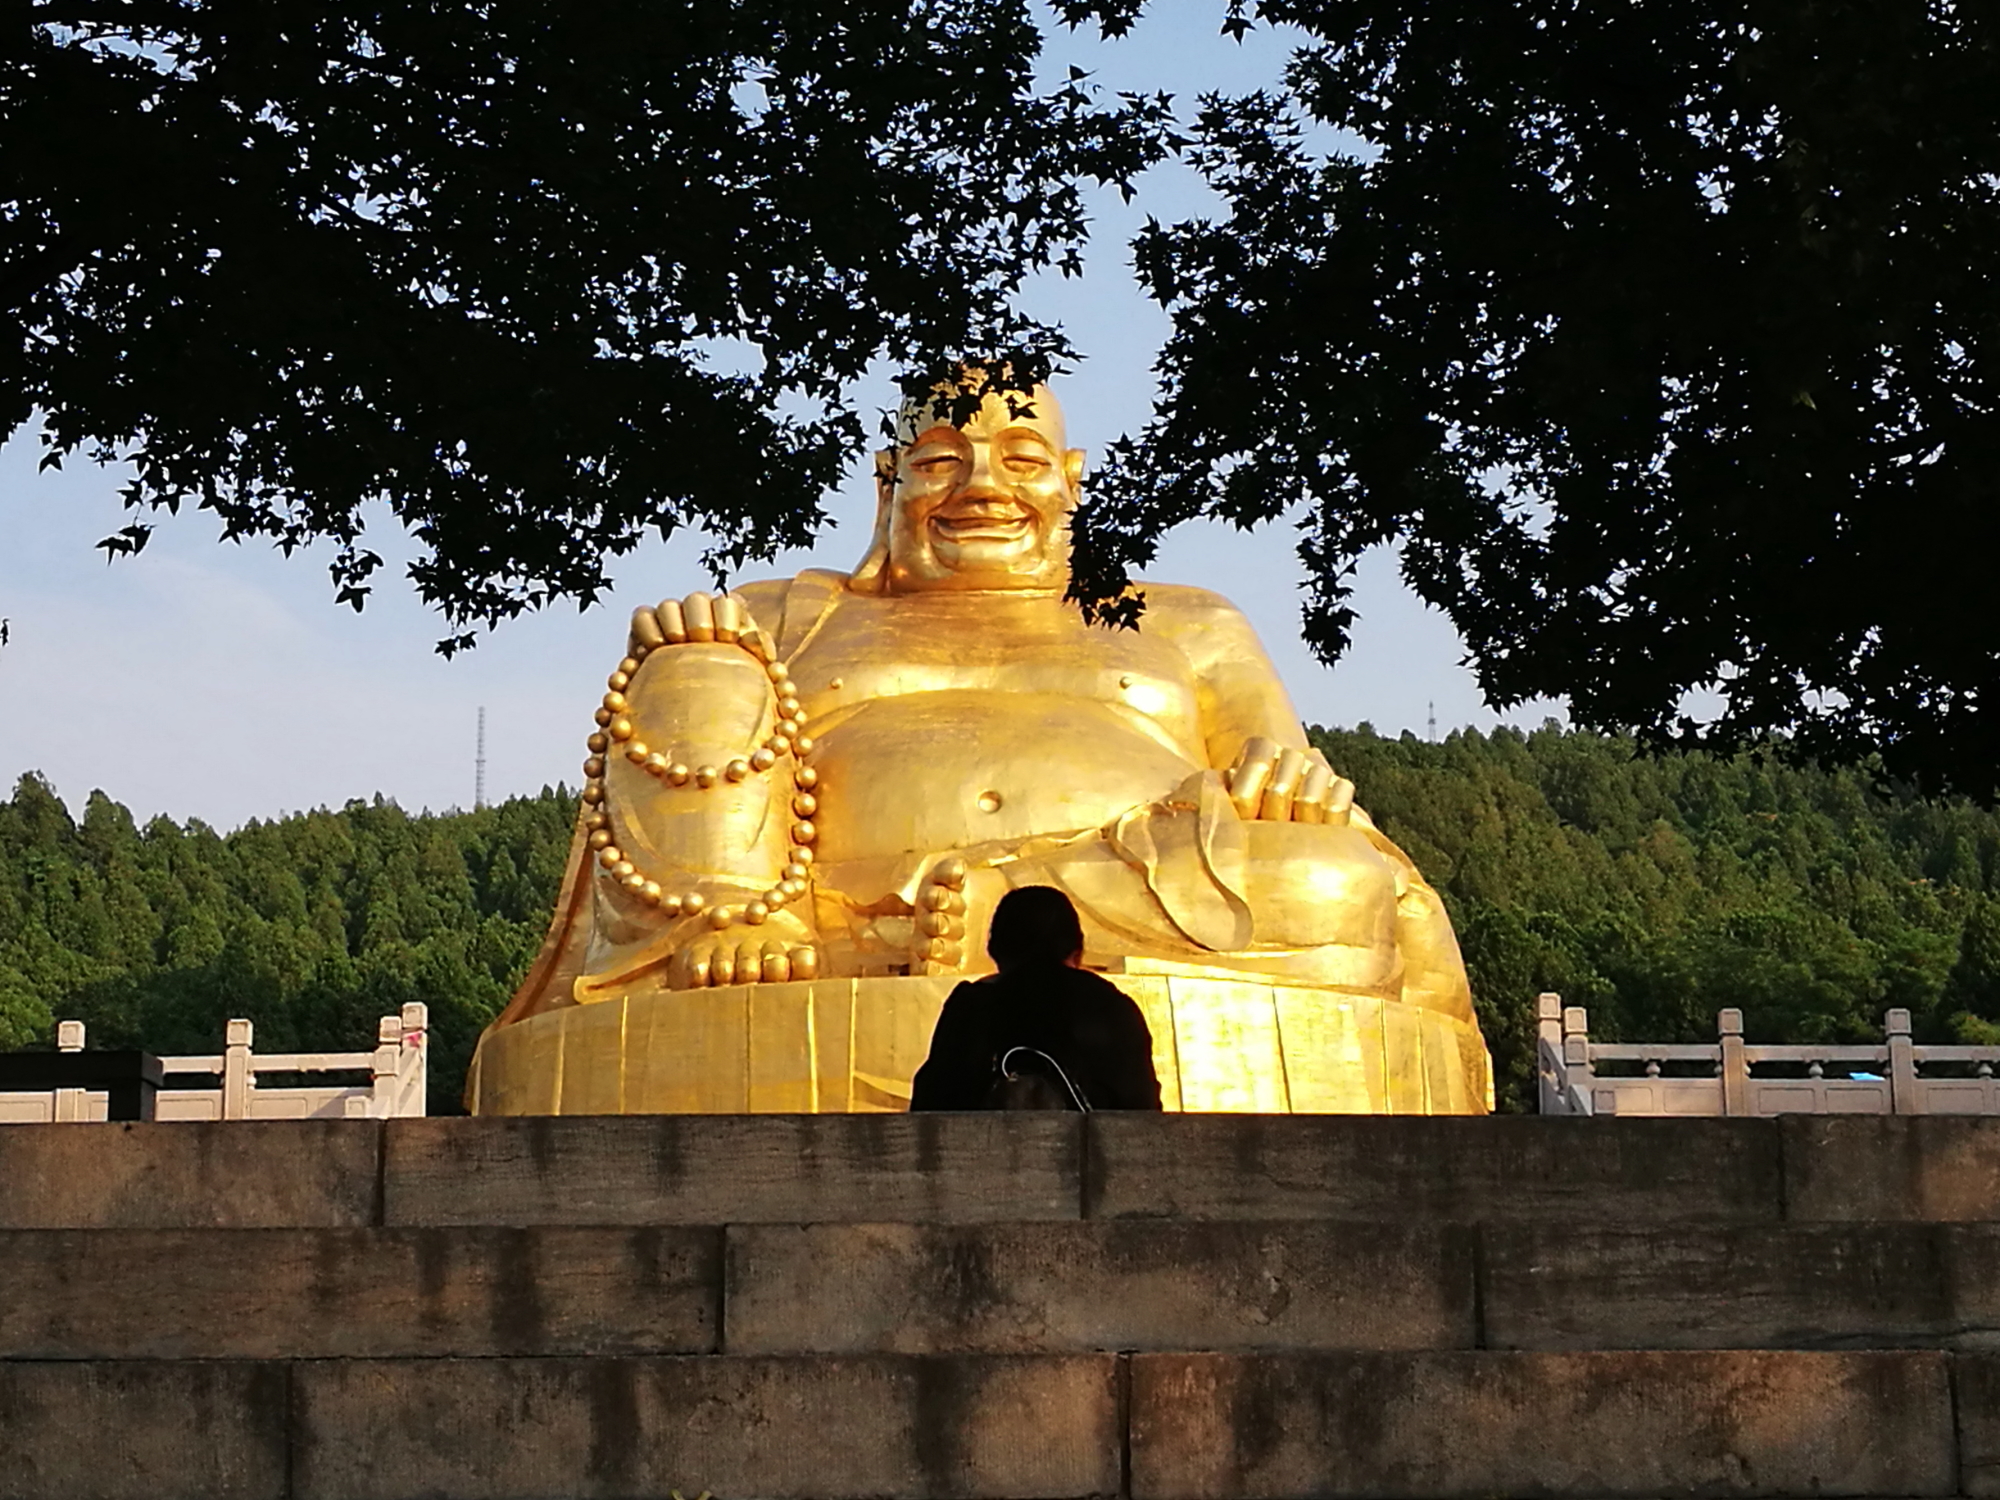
<point x="222" y="682"/>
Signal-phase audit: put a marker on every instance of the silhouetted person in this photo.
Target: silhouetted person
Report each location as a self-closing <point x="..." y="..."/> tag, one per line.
<point x="1040" y="1000"/>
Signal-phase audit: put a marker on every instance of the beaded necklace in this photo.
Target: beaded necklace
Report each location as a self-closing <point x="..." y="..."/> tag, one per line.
<point x="788" y="740"/>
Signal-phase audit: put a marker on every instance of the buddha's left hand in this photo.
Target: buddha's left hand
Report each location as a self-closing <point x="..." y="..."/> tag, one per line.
<point x="1268" y="784"/>
<point x="698" y="619"/>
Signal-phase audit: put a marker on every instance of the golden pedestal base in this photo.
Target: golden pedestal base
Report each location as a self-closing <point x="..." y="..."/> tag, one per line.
<point x="1226" y="1044"/>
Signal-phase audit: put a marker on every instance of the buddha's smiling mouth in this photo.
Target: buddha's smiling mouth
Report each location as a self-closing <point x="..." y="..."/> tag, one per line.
<point x="1012" y="525"/>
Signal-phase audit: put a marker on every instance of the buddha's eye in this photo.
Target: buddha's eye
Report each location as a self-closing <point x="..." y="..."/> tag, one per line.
<point x="1026" y="463"/>
<point x="936" y="463"/>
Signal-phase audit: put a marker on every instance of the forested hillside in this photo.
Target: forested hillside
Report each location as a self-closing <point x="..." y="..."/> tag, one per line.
<point x="313" y="926"/>
<point x="1654" y="890"/>
<point x="1657" y="890"/>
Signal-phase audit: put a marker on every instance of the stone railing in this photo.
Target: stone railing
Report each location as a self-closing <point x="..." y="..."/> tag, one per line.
<point x="1893" y="1077"/>
<point x="397" y="1081"/>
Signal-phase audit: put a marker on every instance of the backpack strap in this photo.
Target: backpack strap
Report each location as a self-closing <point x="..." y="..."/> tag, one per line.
<point x="1008" y="1074"/>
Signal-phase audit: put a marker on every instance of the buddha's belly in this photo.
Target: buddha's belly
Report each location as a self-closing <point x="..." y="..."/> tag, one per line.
<point x="930" y="772"/>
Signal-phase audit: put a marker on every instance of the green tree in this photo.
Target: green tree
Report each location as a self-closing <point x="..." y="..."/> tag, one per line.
<point x="1972" y="993"/>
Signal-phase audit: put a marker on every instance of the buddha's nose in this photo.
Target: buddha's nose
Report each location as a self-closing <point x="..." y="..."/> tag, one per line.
<point x="980" y="481"/>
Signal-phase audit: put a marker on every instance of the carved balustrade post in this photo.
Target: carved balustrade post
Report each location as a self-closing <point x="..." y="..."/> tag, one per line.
<point x="1905" y="1092"/>
<point x="237" y="1081"/>
<point x="1735" y="1067"/>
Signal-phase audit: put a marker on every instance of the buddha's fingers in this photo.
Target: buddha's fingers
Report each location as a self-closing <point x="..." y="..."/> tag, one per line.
<point x="1309" y="806"/>
<point x="1283" y="787"/>
<point x="699" y="611"/>
<point x="1251" y="774"/>
<point x="722" y="967"/>
<point x="1340" y="801"/>
<point x="646" y="628"/>
<point x="702" y="618"/>
<point x="697" y="972"/>
<point x="777" y="966"/>
<point x="673" y="624"/>
<point x="729" y="620"/>
<point x="805" y="963"/>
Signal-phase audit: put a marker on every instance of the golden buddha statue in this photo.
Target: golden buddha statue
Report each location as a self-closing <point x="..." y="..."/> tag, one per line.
<point x="804" y="798"/>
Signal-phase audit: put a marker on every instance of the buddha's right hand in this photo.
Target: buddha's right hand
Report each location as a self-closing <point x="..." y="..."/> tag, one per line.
<point x="1287" y="786"/>
<point x="777" y="949"/>
<point x="700" y="618"/>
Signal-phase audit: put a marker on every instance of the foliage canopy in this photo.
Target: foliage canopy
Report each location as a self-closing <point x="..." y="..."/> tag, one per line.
<point x="1664" y="334"/>
<point x="540" y="277"/>
<point x="1660" y="334"/>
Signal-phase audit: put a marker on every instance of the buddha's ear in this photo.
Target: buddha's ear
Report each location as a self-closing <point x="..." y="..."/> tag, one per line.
<point x="871" y="575"/>
<point x="1073" y="468"/>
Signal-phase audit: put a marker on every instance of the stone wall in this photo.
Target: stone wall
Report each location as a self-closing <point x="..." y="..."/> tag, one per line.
<point x="1004" y="1306"/>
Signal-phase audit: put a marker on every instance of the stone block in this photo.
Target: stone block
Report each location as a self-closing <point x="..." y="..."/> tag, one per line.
<point x="1221" y="1426"/>
<point x="341" y="1293"/>
<point x="1935" y="1168"/>
<point x="943" y="1289"/>
<point x="1400" y="1168"/>
<point x="1741" y="1287"/>
<point x="546" y="1429"/>
<point x="1977" y="1385"/>
<point x="202" y="1430"/>
<point x="222" y="1174"/>
<point x="731" y="1169"/>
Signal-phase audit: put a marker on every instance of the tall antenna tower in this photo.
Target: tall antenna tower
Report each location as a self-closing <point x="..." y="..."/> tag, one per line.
<point x="1434" y="721"/>
<point x="479" y="763"/>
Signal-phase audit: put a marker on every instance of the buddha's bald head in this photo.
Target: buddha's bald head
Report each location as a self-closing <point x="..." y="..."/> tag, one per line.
<point x="977" y="492"/>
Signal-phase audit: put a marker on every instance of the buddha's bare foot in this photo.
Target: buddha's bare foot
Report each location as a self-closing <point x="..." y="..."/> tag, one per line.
<point x="700" y="618"/>
<point x="1287" y="786"/>
<point x="771" y="952"/>
<point x="939" y="944"/>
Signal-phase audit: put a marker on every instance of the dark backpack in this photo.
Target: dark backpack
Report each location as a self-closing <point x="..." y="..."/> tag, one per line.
<point x="1024" y="1078"/>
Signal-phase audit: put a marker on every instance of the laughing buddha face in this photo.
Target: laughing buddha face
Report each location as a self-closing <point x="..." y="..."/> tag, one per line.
<point x="983" y="505"/>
